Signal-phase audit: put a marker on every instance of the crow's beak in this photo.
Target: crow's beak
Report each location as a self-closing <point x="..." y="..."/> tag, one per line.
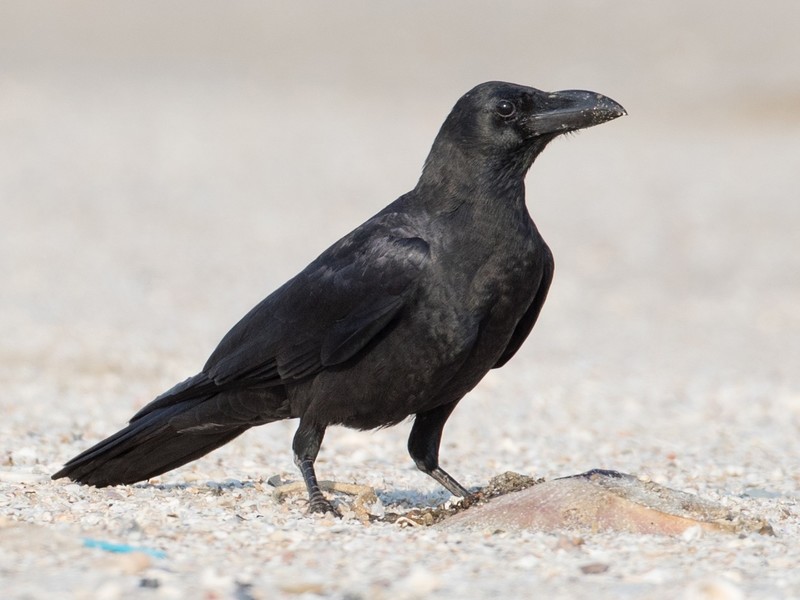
<point x="570" y="110"/>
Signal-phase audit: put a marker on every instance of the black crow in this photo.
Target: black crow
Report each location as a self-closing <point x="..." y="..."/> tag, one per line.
<point x="403" y="316"/>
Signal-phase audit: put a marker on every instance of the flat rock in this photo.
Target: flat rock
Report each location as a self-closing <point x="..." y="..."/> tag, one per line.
<point x="601" y="500"/>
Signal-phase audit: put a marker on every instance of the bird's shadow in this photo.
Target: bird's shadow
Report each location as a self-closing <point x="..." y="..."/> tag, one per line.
<point x="411" y="498"/>
<point x="404" y="497"/>
<point x="218" y="487"/>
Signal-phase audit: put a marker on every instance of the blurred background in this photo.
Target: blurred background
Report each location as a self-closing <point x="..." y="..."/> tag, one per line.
<point x="165" y="165"/>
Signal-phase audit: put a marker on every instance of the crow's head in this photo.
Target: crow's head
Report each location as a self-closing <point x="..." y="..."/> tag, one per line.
<point x="500" y="123"/>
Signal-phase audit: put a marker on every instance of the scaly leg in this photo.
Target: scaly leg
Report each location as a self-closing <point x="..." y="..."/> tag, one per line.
<point x="423" y="446"/>
<point x="306" y="444"/>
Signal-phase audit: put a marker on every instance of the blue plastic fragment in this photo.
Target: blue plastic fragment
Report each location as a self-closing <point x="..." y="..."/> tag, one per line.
<point x="122" y="548"/>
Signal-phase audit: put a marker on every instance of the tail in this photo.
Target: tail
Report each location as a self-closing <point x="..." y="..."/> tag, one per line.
<point x="181" y="425"/>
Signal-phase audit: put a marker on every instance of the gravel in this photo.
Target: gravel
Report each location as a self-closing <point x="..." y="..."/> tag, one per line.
<point x="159" y="174"/>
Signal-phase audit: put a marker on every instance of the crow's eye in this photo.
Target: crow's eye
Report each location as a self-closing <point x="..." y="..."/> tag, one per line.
<point x="505" y="109"/>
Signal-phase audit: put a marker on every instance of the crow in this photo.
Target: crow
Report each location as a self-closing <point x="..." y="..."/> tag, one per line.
<point x="402" y="316"/>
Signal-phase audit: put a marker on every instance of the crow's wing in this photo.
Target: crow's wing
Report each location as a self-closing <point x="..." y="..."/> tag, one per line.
<point x="327" y="314"/>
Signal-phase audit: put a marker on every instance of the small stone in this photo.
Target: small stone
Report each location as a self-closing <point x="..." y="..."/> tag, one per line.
<point x="376" y="509"/>
<point x="714" y="589"/>
<point x="302" y="587"/>
<point x="109" y="590"/>
<point x="419" y="583"/>
<point x="132" y="563"/>
<point x="692" y="533"/>
<point x="594" y="568"/>
<point x="569" y="543"/>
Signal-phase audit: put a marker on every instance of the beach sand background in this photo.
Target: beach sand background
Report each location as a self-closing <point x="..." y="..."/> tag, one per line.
<point x="163" y="166"/>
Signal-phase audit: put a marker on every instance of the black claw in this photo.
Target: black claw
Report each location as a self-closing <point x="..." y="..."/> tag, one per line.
<point x="321" y="507"/>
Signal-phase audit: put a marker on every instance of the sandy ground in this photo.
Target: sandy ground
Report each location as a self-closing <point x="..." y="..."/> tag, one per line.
<point x="163" y="167"/>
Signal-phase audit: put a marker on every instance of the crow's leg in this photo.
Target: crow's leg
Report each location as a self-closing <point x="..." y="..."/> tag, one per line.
<point x="423" y="446"/>
<point x="306" y="444"/>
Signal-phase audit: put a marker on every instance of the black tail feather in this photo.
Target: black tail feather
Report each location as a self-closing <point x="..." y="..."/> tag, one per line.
<point x="147" y="447"/>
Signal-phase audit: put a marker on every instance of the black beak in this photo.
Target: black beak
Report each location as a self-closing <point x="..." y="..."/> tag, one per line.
<point x="570" y="110"/>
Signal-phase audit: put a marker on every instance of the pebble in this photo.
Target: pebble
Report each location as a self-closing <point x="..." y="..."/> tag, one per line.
<point x="714" y="589"/>
<point x="419" y="583"/>
<point x="132" y="562"/>
<point x="302" y="587"/>
<point x="594" y="568"/>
